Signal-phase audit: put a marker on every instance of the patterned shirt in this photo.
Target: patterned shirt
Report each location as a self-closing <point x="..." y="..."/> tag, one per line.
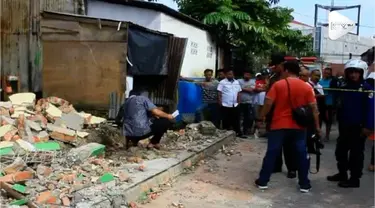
<point x="209" y="92"/>
<point x="136" y="116"/>
<point x="247" y="97"/>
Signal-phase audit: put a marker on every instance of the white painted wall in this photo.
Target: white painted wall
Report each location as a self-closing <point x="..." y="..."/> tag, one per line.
<point x="200" y="51"/>
<point x="144" y="17"/>
<point x="337" y="51"/>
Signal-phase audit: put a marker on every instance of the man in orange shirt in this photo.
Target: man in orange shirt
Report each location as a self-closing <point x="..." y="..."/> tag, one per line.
<point x="284" y="127"/>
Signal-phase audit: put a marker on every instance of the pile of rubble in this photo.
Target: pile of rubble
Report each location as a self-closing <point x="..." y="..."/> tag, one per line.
<point x="29" y="123"/>
<point x="36" y="172"/>
<point x="31" y="133"/>
<point x="191" y="137"/>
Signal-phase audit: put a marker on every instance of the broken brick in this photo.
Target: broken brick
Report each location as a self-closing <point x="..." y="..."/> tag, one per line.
<point x="62" y="137"/>
<point x="134" y="160"/>
<point x="53" y="111"/>
<point x="43" y="136"/>
<point x="17" y="177"/>
<point x="133" y="205"/>
<point x="10" y="134"/>
<point x="65" y="201"/>
<point x="23" y="176"/>
<point x="43" y="170"/>
<point x="69" y="178"/>
<point x="17" y="165"/>
<point x="16" y="137"/>
<point x="46" y="198"/>
<point x="5" y="129"/>
<point x="7" y="178"/>
<point x="123" y="176"/>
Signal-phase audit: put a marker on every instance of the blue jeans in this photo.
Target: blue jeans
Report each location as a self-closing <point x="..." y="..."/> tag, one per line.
<point x="275" y="142"/>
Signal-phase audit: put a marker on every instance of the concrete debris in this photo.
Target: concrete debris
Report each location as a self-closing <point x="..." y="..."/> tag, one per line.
<point x="35" y="158"/>
<point x="73" y="120"/>
<point x="207" y="128"/>
<point x="23" y="99"/>
<point x="82" y="153"/>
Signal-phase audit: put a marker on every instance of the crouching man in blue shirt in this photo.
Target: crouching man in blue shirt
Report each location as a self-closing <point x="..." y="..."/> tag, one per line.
<point x="353" y="117"/>
<point x="142" y="119"/>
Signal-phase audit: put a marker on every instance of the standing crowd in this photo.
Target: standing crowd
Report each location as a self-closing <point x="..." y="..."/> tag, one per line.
<point x="293" y="102"/>
<point x="290" y="102"/>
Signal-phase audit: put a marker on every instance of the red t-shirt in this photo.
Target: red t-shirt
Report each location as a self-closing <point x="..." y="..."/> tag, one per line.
<point x="259" y="84"/>
<point x="300" y="94"/>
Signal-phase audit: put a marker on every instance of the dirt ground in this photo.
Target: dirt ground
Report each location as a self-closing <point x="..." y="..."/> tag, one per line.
<point x="227" y="181"/>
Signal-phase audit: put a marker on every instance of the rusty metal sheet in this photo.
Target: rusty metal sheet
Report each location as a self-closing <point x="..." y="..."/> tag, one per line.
<point x="20" y="44"/>
<point x="165" y="92"/>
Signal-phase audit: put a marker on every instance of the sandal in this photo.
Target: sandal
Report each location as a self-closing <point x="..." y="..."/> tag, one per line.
<point x="157" y="146"/>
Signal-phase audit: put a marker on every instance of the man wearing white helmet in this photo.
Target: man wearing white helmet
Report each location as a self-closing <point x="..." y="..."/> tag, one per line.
<point x="354" y="124"/>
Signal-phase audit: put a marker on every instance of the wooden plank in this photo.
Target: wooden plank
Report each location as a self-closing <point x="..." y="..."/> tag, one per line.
<point x="83" y="73"/>
<point x="69" y="26"/>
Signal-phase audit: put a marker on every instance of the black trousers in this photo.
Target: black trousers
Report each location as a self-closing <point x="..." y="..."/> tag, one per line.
<point x="158" y="128"/>
<point x="247" y="112"/>
<point x="350" y="149"/>
<point x="289" y="156"/>
<point x="231" y="118"/>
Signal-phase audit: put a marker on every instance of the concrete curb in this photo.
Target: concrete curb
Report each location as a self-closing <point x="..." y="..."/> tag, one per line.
<point x="159" y="172"/>
<point x="162" y="177"/>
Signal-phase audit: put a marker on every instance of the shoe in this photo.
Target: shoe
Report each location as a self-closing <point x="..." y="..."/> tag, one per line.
<point x="241" y="136"/>
<point x="277" y="170"/>
<point x="261" y="186"/>
<point x="305" y="189"/>
<point x="291" y="174"/>
<point x="351" y="183"/>
<point x="337" y="178"/>
<point x="371" y="168"/>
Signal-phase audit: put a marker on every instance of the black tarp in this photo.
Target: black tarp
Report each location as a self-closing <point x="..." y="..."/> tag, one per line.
<point x="147" y="52"/>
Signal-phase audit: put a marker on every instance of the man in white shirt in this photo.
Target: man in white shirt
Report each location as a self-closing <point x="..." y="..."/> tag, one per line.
<point x="229" y="89"/>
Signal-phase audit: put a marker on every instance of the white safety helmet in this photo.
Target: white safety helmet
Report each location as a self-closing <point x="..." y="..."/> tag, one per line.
<point x="357" y="64"/>
<point x="371" y="76"/>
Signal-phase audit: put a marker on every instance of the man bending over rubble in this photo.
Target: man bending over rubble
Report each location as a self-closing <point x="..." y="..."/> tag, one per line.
<point x="143" y="119"/>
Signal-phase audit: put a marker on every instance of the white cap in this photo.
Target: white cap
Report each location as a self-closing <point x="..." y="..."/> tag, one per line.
<point x="358" y="64"/>
<point x="257" y="74"/>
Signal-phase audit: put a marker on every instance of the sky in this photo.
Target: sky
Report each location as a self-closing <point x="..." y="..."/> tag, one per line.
<point x="304" y="12"/>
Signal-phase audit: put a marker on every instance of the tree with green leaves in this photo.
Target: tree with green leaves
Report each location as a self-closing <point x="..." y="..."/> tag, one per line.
<point x="252" y="26"/>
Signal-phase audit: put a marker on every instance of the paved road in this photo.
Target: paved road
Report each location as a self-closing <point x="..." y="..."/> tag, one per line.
<point x="227" y="182"/>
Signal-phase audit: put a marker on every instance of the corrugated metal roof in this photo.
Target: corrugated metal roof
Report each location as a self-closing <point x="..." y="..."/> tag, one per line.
<point x="161" y="8"/>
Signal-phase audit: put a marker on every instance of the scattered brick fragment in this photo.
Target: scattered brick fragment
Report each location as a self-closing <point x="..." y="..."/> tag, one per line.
<point x="46" y="198"/>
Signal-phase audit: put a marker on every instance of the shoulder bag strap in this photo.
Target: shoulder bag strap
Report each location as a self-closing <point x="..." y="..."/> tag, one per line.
<point x="289" y="97"/>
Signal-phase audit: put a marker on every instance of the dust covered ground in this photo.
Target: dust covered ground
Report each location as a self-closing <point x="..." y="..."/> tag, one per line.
<point x="226" y="180"/>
